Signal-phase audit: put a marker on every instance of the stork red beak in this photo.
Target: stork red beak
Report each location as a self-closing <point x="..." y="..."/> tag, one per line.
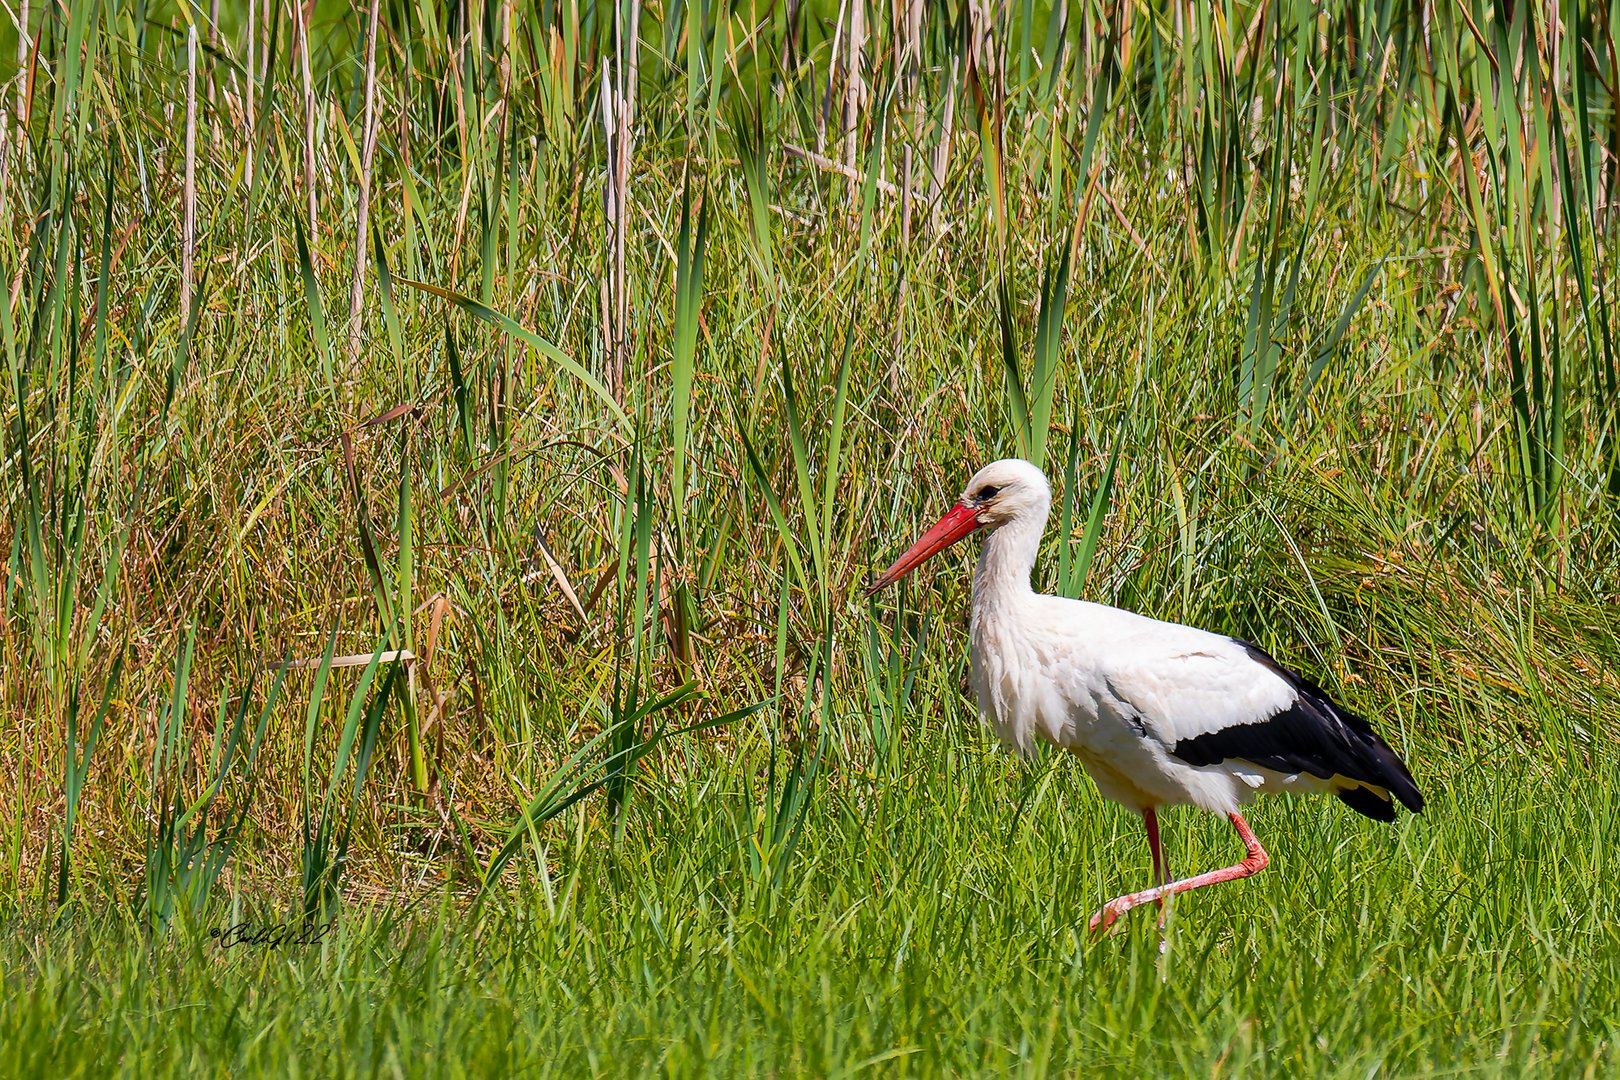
<point x="956" y="524"/>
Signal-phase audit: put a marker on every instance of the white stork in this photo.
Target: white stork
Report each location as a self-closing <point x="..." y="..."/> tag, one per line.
<point x="1160" y="714"/>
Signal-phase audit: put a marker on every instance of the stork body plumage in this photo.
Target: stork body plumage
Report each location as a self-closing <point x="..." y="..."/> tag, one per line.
<point x="1160" y="714"/>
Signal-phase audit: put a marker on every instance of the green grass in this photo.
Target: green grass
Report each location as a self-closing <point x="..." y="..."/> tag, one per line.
<point x="594" y="752"/>
<point x="923" y="928"/>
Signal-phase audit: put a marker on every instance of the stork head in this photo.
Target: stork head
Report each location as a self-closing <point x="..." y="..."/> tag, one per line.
<point x="1002" y="492"/>
<point x="1005" y="491"/>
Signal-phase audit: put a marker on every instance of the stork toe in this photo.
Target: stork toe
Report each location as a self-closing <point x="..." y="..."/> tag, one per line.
<point x="1103" y="921"/>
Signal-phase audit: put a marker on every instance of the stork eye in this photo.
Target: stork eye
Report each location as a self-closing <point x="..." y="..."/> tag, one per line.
<point x="988" y="493"/>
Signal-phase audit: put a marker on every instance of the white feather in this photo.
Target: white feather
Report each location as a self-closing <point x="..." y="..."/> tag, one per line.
<point x="1115" y="688"/>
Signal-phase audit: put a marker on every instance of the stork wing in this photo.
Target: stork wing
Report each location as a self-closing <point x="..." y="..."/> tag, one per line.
<point x="1187" y="688"/>
<point x="1224" y="699"/>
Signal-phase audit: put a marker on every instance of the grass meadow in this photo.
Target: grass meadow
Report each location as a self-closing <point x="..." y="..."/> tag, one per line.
<point x="445" y="445"/>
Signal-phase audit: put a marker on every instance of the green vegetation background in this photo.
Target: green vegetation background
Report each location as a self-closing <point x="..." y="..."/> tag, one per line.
<point x="439" y="478"/>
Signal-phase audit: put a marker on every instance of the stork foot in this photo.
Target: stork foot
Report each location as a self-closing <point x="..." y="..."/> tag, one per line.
<point x="1102" y="922"/>
<point x="1256" y="860"/>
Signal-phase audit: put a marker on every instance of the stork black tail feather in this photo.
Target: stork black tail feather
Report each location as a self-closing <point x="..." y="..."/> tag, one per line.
<point x="1369" y="802"/>
<point x="1355" y="750"/>
<point x="1392" y="773"/>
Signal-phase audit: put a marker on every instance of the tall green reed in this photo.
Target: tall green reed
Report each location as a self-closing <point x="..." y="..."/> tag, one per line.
<point x="192" y="837"/>
<point x="330" y="814"/>
<point x="1231" y="146"/>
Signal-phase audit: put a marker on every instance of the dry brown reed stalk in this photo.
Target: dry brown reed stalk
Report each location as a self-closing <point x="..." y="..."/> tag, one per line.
<point x="827" y="164"/>
<point x="188" y="224"/>
<point x="854" y="79"/>
<point x="252" y="77"/>
<point x="24" y="51"/>
<point x="5" y="113"/>
<point x="463" y="134"/>
<point x="908" y="32"/>
<point x="22" y="66"/>
<point x="503" y="71"/>
<point x="368" y="154"/>
<point x="506" y="57"/>
<point x="301" y="24"/>
<point x="213" y="43"/>
<point x="832" y="78"/>
<point x="940" y="157"/>
<point x="986" y="76"/>
<point x="618" y="119"/>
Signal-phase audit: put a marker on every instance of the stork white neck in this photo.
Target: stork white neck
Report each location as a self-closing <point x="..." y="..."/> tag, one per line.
<point x="1007" y="558"/>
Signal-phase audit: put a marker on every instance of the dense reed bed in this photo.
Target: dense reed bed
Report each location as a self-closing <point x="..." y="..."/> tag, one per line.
<point x="445" y="445"/>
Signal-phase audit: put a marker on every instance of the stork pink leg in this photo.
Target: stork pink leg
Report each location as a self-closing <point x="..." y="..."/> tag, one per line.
<point x="1253" y="863"/>
<point x="1161" y="867"/>
<point x="1151" y="819"/>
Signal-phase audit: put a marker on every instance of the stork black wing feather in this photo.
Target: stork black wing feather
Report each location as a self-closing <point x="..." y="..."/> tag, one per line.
<point x="1314" y="735"/>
